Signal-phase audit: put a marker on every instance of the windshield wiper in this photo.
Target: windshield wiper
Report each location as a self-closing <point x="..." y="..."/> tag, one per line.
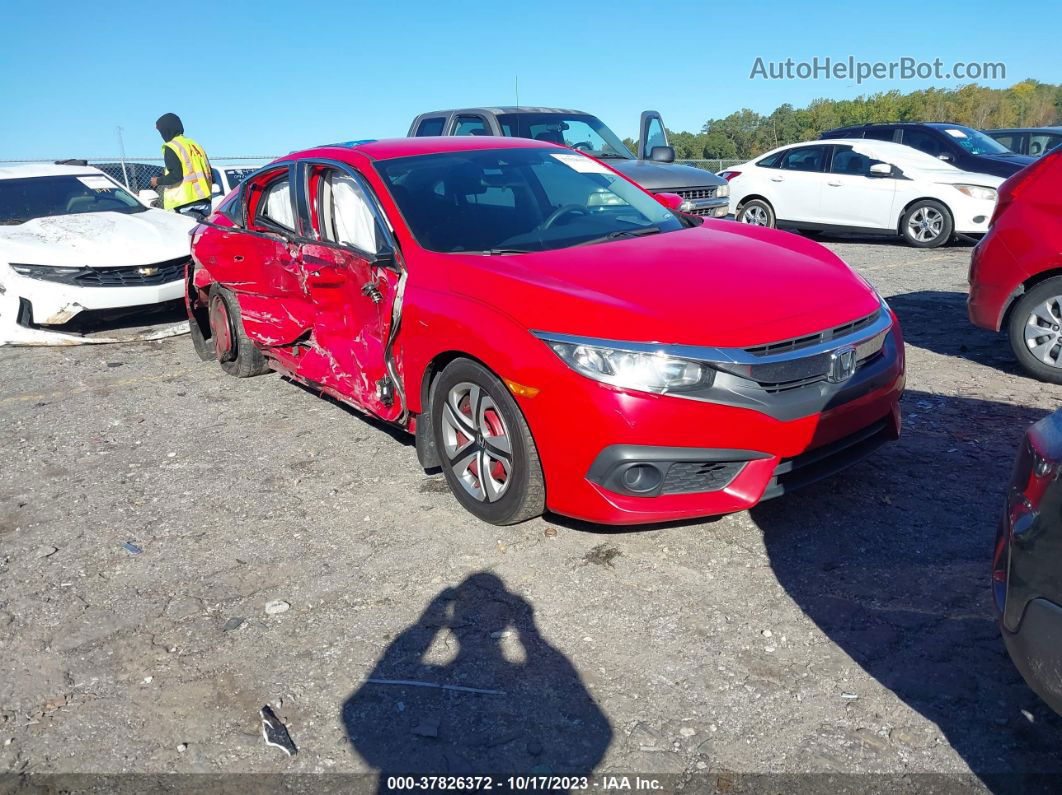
<point x="613" y="155"/>
<point x="495" y="252"/>
<point x="622" y="233"/>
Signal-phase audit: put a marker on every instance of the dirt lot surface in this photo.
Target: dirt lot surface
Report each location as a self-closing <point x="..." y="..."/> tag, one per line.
<point x="844" y="628"/>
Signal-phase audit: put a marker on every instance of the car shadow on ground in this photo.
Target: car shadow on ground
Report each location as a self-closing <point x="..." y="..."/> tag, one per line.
<point x="938" y="321"/>
<point x="891" y="561"/>
<point x="886" y="240"/>
<point x="514" y="703"/>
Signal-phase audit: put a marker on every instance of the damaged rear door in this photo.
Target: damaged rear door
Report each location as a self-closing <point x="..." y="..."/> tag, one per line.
<point x="260" y="262"/>
<point x="354" y="280"/>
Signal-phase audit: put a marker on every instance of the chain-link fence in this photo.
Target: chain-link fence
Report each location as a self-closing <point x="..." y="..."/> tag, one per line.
<point x="136" y="173"/>
<point x="715" y="166"/>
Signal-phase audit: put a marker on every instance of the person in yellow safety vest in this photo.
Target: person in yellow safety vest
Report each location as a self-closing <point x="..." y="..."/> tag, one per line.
<point x="186" y="183"/>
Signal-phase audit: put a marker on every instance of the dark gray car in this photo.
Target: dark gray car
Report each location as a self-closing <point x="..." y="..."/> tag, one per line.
<point x="654" y="168"/>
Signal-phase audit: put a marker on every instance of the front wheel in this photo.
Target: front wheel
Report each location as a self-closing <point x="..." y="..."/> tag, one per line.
<point x="756" y="212"/>
<point x="927" y="224"/>
<point x="1035" y="330"/>
<point x="485" y="447"/>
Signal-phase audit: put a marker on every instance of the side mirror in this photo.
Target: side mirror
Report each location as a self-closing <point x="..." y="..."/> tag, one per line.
<point x="662" y="154"/>
<point x="880" y="170"/>
<point x="672" y="201"/>
<point x="147" y="195"/>
<point x="385" y="259"/>
<point x="215" y="189"/>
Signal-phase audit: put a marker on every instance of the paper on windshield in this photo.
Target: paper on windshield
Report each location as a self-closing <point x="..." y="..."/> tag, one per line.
<point x="955" y="133"/>
<point x="97" y="183"/>
<point x="584" y="165"/>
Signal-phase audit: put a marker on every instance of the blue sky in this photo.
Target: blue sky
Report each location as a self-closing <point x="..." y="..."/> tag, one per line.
<point x="268" y="76"/>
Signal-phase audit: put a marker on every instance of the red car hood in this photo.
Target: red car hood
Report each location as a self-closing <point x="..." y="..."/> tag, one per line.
<point x="724" y="284"/>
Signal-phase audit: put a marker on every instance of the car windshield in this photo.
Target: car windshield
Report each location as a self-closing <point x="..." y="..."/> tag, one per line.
<point x="518" y="200"/>
<point x="27" y="198"/>
<point x="976" y="143"/>
<point x="577" y="131"/>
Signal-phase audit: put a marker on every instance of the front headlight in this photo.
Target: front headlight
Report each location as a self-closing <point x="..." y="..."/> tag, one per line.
<point x="977" y="192"/>
<point x="646" y="372"/>
<point x="722" y="191"/>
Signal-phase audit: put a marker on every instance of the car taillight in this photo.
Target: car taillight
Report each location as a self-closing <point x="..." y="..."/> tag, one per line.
<point x="729" y="175"/>
<point x="1018" y="183"/>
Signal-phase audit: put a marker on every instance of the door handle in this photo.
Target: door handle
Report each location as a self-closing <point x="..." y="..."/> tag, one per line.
<point x="834" y="184"/>
<point x="777" y="179"/>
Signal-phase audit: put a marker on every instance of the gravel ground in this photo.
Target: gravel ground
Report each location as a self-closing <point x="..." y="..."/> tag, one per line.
<point x="847" y="627"/>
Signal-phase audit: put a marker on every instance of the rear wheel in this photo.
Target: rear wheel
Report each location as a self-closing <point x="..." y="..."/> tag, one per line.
<point x="756" y="212"/>
<point x="234" y="350"/>
<point x="1035" y="330"/>
<point x="927" y="224"/>
<point x="485" y="447"/>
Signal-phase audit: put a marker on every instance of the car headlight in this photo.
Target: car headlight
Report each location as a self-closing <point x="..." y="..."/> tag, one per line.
<point x="722" y="191"/>
<point x="977" y="192"/>
<point x="646" y="372"/>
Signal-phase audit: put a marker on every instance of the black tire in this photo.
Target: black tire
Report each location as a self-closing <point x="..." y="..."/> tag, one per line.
<point x="756" y="208"/>
<point x="524" y="494"/>
<point x="1048" y="292"/>
<point x="234" y="350"/>
<point x="932" y="209"/>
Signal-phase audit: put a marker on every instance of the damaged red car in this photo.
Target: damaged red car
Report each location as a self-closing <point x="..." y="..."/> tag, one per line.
<point x="554" y="337"/>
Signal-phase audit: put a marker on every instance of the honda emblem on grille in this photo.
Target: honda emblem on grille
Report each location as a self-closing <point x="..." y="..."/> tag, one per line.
<point x="842" y="364"/>
<point x="148" y="271"/>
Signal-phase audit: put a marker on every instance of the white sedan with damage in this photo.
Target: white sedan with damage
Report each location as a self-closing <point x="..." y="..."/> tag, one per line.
<point x="83" y="260"/>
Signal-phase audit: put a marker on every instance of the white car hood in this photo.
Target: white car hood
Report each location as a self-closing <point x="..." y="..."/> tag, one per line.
<point x="98" y="239"/>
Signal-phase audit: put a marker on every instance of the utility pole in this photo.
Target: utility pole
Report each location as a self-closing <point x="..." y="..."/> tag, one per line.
<point x="121" y="149"/>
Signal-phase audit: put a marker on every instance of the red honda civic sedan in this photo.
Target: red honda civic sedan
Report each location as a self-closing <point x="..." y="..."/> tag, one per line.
<point x="554" y="337"/>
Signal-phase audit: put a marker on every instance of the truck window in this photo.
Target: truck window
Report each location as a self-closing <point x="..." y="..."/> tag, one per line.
<point x="471" y="125"/>
<point x="432" y="126"/>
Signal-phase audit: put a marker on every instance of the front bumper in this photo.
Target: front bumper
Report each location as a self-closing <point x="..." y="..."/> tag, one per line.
<point x="37" y="312"/>
<point x="1036" y="649"/>
<point x="590" y="434"/>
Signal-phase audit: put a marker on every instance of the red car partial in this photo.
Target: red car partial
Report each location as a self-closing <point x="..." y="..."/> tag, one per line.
<point x="553" y="336"/>
<point x="1016" y="269"/>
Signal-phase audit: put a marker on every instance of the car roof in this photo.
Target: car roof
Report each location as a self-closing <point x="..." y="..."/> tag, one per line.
<point x="428" y="145"/>
<point x="498" y="109"/>
<point x="45" y="170"/>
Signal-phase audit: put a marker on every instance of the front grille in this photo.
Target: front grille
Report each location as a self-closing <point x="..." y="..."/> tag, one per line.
<point x="691" y="477"/>
<point x="795" y="344"/>
<point x="695" y="193"/>
<point x="133" y="276"/>
<point x="145" y="275"/>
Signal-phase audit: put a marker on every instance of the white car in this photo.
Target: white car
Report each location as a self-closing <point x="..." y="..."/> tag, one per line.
<point x="860" y="185"/>
<point x="77" y="246"/>
<point x="226" y="179"/>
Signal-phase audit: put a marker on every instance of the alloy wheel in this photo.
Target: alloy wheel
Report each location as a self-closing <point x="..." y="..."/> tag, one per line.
<point x="925" y="224"/>
<point x="476" y="442"/>
<point x="1043" y="332"/>
<point x="756" y="216"/>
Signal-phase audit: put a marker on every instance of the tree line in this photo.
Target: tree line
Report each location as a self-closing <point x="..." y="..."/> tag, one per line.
<point x="745" y="133"/>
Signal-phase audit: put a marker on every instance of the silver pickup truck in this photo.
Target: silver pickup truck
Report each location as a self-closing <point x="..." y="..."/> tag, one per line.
<point x="654" y="168"/>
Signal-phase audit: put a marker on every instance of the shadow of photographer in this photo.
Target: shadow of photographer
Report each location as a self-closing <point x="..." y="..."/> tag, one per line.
<point x="473" y="688"/>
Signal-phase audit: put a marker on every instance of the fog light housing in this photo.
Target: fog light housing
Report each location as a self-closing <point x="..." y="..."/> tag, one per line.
<point x="641" y="478"/>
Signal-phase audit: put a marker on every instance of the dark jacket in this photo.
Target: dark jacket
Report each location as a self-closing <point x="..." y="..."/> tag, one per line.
<point x="169" y="127"/>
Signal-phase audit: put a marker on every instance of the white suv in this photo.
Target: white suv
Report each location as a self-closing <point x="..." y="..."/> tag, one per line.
<point x="860" y="185"/>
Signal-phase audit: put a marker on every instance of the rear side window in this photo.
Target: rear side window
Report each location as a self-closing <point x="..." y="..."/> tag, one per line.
<point x="923" y="141"/>
<point x="771" y="161"/>
<point x="471" y="125"/>
<point x="807" y="158"/>
<point x="880" y="133"/>
<point x="432" y="126"/>
<point x="1010" y="140"/>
